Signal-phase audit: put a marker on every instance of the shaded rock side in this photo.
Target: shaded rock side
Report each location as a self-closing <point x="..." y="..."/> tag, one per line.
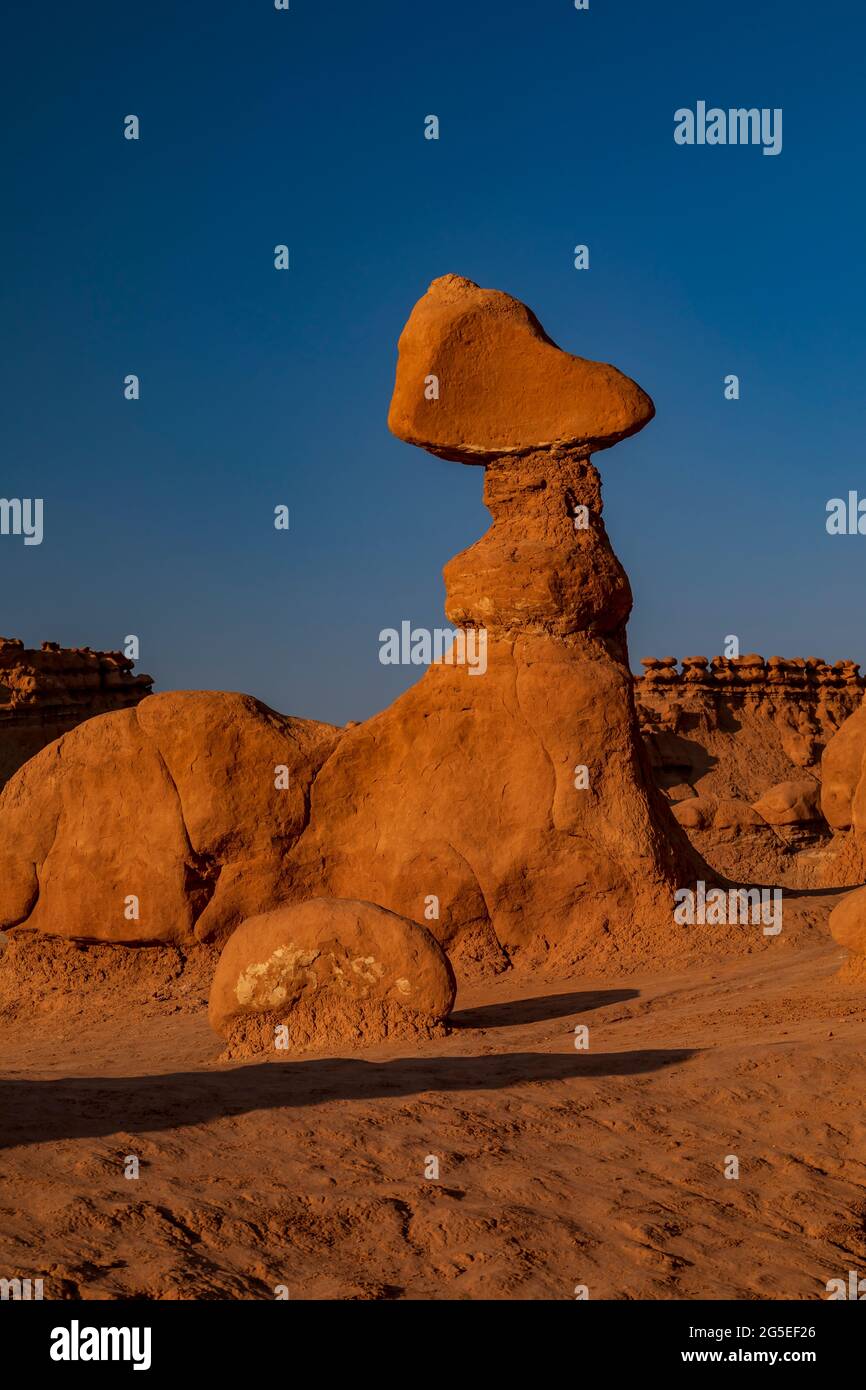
<point x="843" y="801"/>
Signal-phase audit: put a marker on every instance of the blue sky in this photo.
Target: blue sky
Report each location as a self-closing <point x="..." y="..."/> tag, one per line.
<point x="258" y="387"/>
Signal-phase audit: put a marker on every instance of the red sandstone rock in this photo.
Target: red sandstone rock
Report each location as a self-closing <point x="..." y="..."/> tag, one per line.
<point x="841" y="771"/>
<point x="848" y="922"/>
<point x="696" y="812"/>
<point x="503" y="386"/>
<point x="173" y="803"/>
<point x="731" y="814"/>
<point x="741" y="729"/>
<point x="843" y="802"/>
<point x="328" y="968"/>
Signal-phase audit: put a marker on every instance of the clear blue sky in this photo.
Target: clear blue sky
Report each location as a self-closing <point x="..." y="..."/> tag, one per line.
<point x="259" y="387"/>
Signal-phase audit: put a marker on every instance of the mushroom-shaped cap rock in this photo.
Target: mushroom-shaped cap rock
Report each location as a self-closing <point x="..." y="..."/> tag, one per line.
<point x="478" y="378"/>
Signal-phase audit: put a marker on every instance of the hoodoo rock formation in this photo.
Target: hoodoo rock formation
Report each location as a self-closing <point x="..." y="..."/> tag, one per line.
<point x="47" y="692"/>
<point x="513" y="813"/>
<point x="467" y="792"/>
<point x="737" y="746"/>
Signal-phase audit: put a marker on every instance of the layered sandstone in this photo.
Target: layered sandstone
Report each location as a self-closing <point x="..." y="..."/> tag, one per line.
<point x="46" y="692"/>
<point x="736" y="743"/>
<point x="736" y="726"/>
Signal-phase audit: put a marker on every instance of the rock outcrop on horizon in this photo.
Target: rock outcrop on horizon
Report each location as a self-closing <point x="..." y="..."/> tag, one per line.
<point x="737" y="744"/>
<point x="45" y="693"/>
<point x="511" y="812"/>
<point x="693" y="720"/>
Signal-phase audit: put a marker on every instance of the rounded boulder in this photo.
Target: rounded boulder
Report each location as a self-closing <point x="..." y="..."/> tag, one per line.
<point x="328" y="969"/>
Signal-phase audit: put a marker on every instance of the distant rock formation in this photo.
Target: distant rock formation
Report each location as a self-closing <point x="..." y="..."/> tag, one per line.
<point x="511" y="813"/>
<point x="736" y="743"/>
<point x="798" y="704"/>
<point x="47" y="692"/>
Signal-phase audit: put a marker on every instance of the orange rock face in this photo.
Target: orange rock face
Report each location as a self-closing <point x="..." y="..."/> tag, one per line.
<point x="509" y="809"/>
<point x="843" y="801"/>
<point x="843" y="798"/>
<point x="848" y="922"/>
<point x="789" y="803"/>
<point x="477" y="377"/>
<point x="160" y="823"/>
<point x="492" y="825"/>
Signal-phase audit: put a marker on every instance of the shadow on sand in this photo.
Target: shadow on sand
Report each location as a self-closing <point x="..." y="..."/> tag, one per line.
<point x="539" y="1010"/>
<point x="87" y="1107"/>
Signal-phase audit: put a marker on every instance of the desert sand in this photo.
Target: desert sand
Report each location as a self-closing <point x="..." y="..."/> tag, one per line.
<point x="558" y="1167"/>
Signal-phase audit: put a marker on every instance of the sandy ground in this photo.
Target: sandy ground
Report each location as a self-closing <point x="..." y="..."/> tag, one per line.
<point x="558" y="1167"/>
